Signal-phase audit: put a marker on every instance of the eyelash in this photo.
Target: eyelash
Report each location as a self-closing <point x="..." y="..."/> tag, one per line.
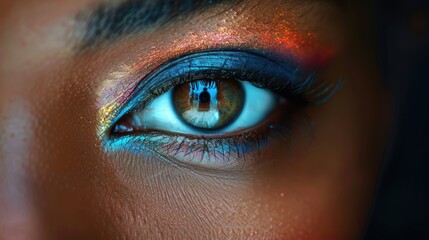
<point x="283" y="77"/>
<point x="235" y="153"/>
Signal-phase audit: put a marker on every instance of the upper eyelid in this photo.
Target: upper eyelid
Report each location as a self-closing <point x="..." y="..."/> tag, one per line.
<point x="280" y="69"/>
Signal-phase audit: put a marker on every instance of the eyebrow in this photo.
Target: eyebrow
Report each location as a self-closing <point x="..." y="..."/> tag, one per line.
<point x="110" y="21"/>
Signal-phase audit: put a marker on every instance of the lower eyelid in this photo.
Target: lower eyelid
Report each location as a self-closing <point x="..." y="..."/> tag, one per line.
<point x="229" y="155"/>
<point x="220" y="154"/>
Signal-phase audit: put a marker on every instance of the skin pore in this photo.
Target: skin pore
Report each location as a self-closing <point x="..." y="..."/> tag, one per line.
<point x="61" y="86"/>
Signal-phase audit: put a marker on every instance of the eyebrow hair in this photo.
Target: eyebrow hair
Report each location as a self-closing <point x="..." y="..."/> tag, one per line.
<point x="111" y="21"/>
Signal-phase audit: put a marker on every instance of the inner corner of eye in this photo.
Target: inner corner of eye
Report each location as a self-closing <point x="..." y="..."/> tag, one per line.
<point x="123" y="125"/>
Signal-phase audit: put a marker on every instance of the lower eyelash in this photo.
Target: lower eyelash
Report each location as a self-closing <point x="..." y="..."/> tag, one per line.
<point x="202" y="154"/>
<point x="226" y="155"/>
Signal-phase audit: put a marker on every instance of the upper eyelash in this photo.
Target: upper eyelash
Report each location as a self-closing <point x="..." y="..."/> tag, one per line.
<point x="277" y="74"/>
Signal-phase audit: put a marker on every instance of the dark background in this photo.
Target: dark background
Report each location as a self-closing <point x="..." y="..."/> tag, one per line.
<point x="401" y="210"/>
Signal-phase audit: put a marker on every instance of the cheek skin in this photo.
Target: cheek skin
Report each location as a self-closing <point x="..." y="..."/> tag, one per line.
<point x="183" y="204"/>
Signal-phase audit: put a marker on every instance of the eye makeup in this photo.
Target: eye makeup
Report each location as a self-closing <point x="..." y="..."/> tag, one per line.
<point x="242" y="26"/>
<point x="227" y="148"/>
<point x="272" y="54"/>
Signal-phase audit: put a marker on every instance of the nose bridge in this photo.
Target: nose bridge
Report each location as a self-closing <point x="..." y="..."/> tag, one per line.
<point x="18" y="218"/>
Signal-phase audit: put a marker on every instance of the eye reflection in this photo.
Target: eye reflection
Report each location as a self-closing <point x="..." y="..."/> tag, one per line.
<point x="209" y="104"/>
<point x="215" y="108"/>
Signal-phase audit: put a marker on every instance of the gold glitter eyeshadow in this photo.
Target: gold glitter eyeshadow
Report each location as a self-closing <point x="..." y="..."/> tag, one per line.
<point x="104" y="114"/>
<point x="110" y="98"/>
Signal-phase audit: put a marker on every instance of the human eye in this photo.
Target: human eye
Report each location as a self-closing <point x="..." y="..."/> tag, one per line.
<point x="221" y="109"/>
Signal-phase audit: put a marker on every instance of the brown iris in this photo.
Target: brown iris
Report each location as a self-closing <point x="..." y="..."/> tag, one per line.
<point x="209" y="104"/>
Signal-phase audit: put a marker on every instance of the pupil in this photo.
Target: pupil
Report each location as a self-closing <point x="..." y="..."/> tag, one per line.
<point x="208" y="104"/>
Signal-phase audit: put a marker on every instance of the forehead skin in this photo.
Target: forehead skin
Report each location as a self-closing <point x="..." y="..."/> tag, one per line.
<point x="56" y="183"/>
